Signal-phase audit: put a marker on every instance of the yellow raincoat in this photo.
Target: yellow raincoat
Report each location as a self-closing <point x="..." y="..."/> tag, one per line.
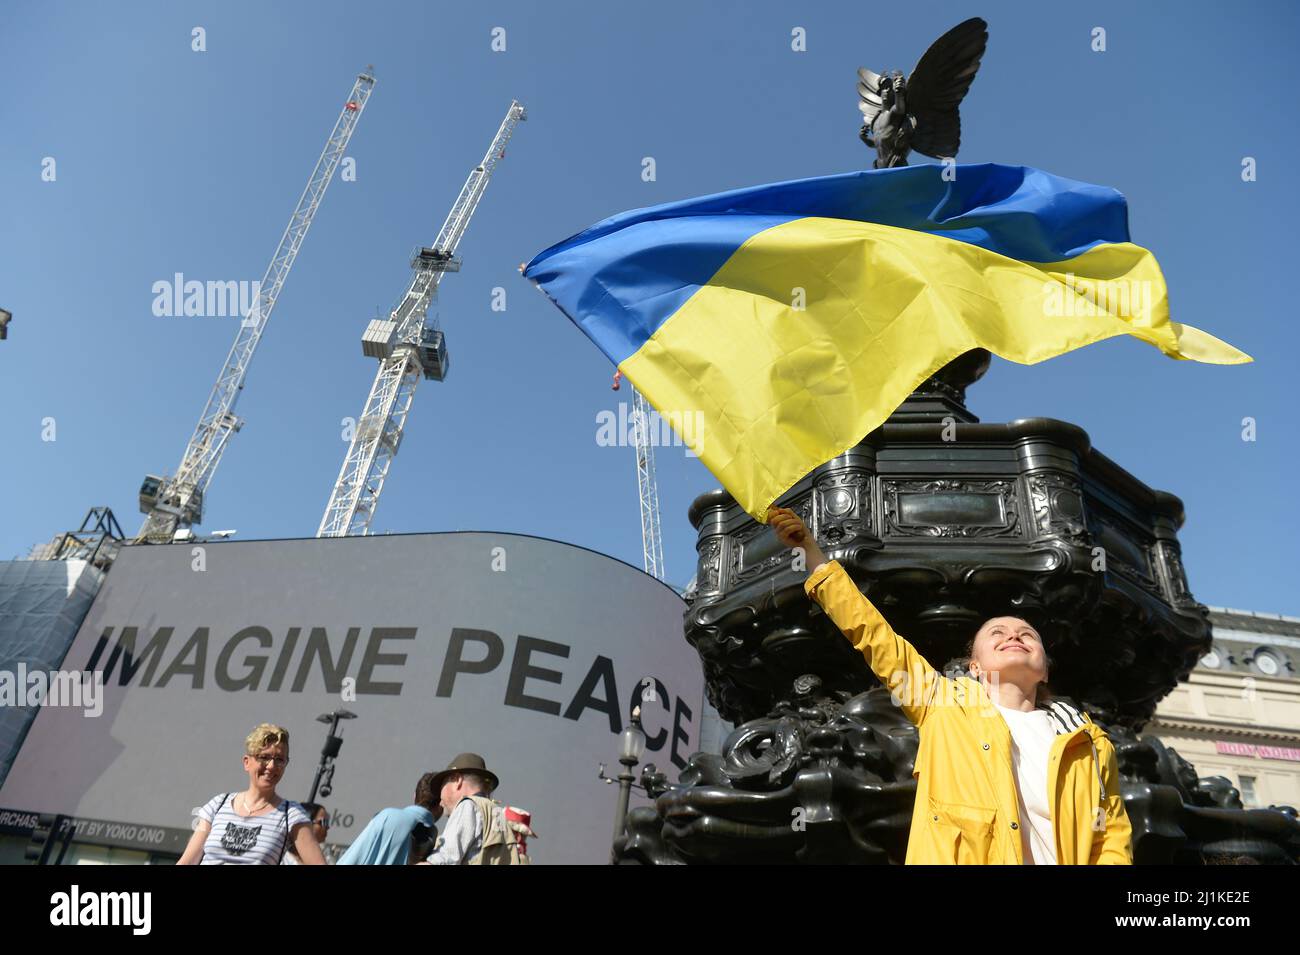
<point x="967" y="804"/>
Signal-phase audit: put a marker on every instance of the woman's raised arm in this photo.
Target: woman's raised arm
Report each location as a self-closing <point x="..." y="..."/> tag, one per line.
<point x="897" y="664"/>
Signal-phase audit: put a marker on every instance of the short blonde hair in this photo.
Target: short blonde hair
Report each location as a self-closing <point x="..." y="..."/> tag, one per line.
<point x="266" y="734"/>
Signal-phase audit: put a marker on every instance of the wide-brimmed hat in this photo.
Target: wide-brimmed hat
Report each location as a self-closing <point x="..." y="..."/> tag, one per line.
<point x="466" y="763"/>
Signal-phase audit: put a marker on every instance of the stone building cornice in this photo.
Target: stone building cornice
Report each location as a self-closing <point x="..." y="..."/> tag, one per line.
<point x="1211" y="729"/>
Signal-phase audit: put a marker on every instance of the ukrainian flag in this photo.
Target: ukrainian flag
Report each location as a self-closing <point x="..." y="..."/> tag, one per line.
<point x="793" y="318"/>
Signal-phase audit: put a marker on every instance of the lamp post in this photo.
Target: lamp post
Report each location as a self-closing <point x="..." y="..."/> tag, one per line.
<point x="631" y="749"/>
<point x="333" y="743"/>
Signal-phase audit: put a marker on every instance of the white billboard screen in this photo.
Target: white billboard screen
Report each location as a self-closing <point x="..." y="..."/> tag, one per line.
<point x="528" y="651"/>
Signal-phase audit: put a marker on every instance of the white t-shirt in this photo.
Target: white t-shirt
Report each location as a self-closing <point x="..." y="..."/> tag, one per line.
<point x="1032" y="734"/>
<point x="237" y="839"/>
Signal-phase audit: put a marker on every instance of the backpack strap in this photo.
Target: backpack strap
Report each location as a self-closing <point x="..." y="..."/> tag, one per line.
<point x="496" y="833"/>
<point x="284" y="846"/>
<point x="484" y="807"/>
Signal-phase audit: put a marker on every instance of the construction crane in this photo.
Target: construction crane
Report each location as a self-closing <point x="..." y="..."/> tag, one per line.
<point x="173" y="503"/>
<point x="652" y="545"/>
<point x="408" y="344"/>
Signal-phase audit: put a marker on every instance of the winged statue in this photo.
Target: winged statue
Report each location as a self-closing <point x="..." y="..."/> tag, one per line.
<point x="920" y="112"/>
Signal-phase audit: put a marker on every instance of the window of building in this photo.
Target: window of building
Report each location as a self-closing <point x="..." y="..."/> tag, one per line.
<point x="83" y="854"/>
<point x="1246" y="787"/>
<point x="1267" y="663"/>
<point x="13" y="849"/>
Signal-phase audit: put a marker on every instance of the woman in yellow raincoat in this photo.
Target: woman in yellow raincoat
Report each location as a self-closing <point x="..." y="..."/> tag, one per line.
<point x="1004" y="776"/>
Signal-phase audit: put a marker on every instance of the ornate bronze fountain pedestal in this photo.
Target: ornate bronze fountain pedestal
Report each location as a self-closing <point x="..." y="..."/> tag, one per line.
<point x="944" y="522"/>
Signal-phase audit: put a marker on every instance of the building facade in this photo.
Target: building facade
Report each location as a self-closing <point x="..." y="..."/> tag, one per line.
<point x="1238" y="714"/>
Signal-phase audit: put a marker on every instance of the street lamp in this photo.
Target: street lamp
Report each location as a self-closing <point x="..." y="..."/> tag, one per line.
<point x="324" y="780"/>
<point x="631" y="747"/>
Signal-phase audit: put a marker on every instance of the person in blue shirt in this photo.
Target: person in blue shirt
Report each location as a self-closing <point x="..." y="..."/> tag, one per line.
<point x="388" y="837"/>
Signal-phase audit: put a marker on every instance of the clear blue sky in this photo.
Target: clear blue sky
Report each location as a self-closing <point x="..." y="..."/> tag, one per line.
<point x="171" y="161"/>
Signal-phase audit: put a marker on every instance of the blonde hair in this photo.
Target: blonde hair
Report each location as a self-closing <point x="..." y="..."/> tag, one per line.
<point x="266" y="734"/>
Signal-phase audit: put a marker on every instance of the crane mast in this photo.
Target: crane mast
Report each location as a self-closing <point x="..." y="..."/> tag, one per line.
<point x="176" y="502"/>
<point x="408" y="344"/>
<point x="647" y="487"/>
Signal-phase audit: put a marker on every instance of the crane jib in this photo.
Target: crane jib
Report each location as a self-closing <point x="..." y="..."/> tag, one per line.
<point x="408" y="345"/>
<point x="177" y="502"/>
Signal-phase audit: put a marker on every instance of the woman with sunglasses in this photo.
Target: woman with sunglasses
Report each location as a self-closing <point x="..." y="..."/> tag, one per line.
<point x="320" y="830"/>
<point x="255" y="826"/>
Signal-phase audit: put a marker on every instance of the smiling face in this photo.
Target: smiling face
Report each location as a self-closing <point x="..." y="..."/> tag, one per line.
<point x="266" y="766"/>
<point x="1011" y="648"/>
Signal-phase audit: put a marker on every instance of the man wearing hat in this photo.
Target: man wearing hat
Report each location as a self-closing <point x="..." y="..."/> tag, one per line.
<point x="467" y="775"/>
